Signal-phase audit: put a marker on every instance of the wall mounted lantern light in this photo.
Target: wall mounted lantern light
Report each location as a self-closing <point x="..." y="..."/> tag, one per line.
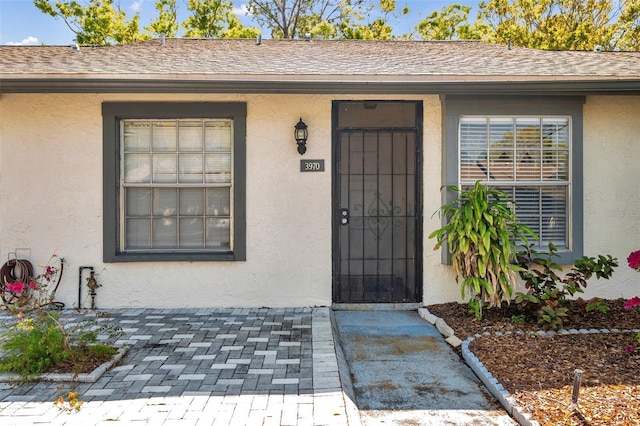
<point x="301" y="135"/>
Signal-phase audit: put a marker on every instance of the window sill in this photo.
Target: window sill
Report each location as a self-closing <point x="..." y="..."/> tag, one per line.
<point x="173" y="257"/>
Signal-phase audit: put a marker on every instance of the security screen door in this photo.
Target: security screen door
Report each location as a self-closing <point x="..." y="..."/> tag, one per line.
<point x="377" y="219"/>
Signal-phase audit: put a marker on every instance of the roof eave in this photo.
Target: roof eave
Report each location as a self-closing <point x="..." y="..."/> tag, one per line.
<point x="370" y="85"/>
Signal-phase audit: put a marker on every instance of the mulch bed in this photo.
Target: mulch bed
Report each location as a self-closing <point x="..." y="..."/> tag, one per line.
<point x="539" y="370"/>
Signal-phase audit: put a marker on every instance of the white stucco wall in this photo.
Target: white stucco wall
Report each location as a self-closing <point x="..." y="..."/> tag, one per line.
<point x="612" y="189"/>
<point x="52" y="192"/>
<point x="51" y="200"/>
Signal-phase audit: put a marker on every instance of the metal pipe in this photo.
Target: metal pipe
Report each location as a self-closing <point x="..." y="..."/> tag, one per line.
<point x="93" y="286"/>
<point x="81" y="269"/>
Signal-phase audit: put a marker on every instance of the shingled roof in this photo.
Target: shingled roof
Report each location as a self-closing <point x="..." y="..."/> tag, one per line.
<point x="315" y="66"/>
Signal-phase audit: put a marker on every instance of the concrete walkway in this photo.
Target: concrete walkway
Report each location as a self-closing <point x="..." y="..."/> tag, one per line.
<point x="404" y="373"/>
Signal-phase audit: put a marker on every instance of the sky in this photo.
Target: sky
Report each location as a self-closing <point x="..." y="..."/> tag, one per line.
<point x="21" y="23"/>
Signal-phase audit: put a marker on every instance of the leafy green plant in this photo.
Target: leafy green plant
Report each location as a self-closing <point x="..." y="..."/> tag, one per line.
<point x="480" y="233"/>
<point x="40" y="341"/>
<point x="551" y="316"/>
<point x="547" y="292"/>
<point x="32" y="346"/>
<point x="518" y="319"/>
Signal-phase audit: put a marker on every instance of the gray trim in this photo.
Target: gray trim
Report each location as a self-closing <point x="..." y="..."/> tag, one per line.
<point x="323" y="85"/>
<point x="112" y="113"/>
<point x="453" y="107"/>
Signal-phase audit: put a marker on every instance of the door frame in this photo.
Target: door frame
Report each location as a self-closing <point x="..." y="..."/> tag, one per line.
<point x="335" y="197"/>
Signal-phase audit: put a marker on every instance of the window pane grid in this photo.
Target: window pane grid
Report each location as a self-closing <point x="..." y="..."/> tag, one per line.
<point x="176" y="179"/>
<point x="528" y="158"/>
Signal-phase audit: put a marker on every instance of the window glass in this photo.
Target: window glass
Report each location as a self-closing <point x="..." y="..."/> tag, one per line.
<point x="528" y="158"/>
<point x="164" y="136"/>
<point x="217" y="134"/>
<point x="218" y="168"/>
<point x="372" y="114"/>
<point x="177" y="179"/>
<point x="137" y="136"/>
<point x="190" y="168"/>
<point x="190" y="136"/>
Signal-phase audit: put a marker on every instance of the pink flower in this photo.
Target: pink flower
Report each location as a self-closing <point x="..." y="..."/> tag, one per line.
<point x="634" y="260"/>
<point x="16" y="287"/>
<point x="632" y="303"/>
<point x="32" y="285"/>
<point x="629" y="349"/>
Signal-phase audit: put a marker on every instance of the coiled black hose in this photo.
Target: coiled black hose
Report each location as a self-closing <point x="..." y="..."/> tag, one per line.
<point x="13" y="271"/>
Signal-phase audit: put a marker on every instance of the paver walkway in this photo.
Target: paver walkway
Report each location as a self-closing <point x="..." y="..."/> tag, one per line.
<point x="201" y="367"/>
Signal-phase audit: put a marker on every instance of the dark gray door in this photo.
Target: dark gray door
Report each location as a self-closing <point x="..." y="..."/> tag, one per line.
<point x="377" y="226"/>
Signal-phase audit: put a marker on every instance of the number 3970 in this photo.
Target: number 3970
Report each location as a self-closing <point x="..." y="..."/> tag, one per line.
<point x="312" y="166"/>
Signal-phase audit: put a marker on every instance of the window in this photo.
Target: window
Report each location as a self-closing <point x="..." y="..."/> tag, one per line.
<point x="530" y="150"/>
<point x="174" y="181"/>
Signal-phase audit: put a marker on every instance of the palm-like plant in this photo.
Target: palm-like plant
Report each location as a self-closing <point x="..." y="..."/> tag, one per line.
<point x="480" y="233"/>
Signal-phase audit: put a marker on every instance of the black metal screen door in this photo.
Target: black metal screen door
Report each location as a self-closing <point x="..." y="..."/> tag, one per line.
<point x="377" y="227"/>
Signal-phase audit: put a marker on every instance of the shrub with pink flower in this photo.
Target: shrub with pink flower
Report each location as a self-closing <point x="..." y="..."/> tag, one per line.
<point x="16" y="287"/>
<point x="632" y="303"/>
<point x="27" y="294"/>
<point x="634" y="263"/>
<point x="634" y="260"/>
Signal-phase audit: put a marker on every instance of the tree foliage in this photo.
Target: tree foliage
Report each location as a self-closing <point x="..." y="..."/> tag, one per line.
<point x="449" y="24"/>
<point x="167" y="21"/>
<point x="96" y="23"/>
<point x="215" y="18"/>
<point x="295" y="18"/>
<point x="542" y="24"/>
<point x="561" y="24"/>
<point x="370" y="21"/>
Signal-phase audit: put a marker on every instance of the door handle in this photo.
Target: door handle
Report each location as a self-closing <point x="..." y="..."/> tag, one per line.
<point x="344" y="216"/>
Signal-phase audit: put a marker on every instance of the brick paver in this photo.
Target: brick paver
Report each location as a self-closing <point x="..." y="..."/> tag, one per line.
<point x="201" y="367"/>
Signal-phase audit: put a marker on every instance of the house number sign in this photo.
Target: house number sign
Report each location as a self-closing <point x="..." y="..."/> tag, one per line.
<point x="312" y="165"/>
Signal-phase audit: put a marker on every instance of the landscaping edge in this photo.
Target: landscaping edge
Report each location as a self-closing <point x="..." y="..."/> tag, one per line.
<point x="491" y="383"/>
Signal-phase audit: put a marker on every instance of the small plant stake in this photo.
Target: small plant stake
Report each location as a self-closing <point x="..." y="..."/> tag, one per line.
<point x="577" y="378"/>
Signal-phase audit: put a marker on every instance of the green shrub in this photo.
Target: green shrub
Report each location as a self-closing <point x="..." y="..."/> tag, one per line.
<point x="518" y="319"/>
<point x="547" y="292"/>
<point x="33" y="345"/>
<point x="102" y="350"/>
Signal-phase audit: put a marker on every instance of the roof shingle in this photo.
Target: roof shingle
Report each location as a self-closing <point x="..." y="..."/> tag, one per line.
<point x="220" y="57"/>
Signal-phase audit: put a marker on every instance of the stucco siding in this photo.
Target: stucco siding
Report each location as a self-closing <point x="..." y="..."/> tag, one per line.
<point x="51" y="187"/>
<point x="51" y="201"/>
<point x="612" y="188"/>
<point x="439" y="280"/>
